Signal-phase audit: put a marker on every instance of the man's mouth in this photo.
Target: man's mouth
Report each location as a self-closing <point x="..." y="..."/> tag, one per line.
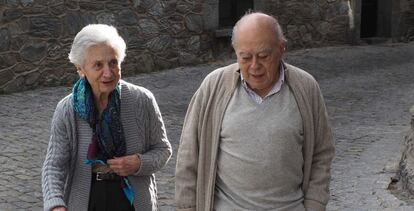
<point x="257" y="76"/>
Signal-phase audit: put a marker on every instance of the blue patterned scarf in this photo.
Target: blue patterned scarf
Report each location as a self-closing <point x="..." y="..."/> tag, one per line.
<point x="108" y="140"/>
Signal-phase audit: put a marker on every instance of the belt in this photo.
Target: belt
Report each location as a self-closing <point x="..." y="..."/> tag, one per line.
<point x="101" y="176"/>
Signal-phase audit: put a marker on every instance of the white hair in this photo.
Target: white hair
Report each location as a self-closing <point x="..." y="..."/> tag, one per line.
<point x="275" y="24"/>
<point x="95" y="34"/>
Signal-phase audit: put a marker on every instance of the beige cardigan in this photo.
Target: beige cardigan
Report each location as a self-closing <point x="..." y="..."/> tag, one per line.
<point x="197" y="154"/>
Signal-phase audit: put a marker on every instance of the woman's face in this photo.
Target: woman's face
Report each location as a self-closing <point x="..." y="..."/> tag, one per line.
<point x="102" y="69"/>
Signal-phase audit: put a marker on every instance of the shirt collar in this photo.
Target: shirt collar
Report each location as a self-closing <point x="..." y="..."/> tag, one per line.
<point x="275" y="89"/>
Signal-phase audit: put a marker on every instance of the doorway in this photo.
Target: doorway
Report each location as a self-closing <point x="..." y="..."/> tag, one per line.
<point x="369" y="18"/>
<point x="231" y="10"/>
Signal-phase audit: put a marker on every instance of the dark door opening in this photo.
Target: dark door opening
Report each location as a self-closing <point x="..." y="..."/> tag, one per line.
<point x="369" y="11"/>
<point x="231" y="10"/>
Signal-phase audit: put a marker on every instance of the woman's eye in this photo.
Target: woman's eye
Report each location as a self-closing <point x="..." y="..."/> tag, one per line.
<point x="98" y="65"/>
<point x="114" y="62"/>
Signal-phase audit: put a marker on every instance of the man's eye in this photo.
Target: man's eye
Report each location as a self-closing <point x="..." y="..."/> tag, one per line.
<point x="263" y="56"/>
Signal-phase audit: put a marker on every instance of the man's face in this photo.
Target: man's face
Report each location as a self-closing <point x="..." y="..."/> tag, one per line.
<point x="258" y="54"/>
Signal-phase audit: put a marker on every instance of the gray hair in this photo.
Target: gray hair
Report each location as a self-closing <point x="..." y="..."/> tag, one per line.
<point x="95" y="34"/>
<point x="276" y="26"/>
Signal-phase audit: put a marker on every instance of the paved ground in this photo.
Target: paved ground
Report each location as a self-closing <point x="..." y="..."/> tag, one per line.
<point x="368" y="91"/>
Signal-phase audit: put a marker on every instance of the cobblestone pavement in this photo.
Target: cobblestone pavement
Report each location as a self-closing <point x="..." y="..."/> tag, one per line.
<point x="368" y="91"/>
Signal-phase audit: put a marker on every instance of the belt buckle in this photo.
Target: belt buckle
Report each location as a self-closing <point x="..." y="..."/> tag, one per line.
<point x="98" y="178"/>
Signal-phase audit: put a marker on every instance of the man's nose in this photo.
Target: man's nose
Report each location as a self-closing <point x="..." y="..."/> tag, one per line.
<point x="255" y="62"/>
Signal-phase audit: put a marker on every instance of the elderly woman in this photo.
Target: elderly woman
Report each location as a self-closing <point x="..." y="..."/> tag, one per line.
<point x="107" y="137"/>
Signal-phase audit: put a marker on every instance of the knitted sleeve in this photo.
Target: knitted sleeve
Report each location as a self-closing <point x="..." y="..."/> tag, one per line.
<point x="55" y="166"/>
<point x="159" y="148"/>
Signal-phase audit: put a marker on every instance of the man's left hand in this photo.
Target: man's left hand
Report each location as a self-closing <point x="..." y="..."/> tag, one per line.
<point x="126" y="165"/>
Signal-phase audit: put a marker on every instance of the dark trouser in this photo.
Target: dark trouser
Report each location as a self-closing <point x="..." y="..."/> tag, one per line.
<point x="107" y="195"/>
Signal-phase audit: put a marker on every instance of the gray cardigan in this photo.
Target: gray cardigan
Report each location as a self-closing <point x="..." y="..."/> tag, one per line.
<point x="66" y="179"/>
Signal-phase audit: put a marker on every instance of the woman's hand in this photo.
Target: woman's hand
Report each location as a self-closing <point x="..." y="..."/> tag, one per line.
<point x="126" y="165"/>
<point x="59" y="209"/>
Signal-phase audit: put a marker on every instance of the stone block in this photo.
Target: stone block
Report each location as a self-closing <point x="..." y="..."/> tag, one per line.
<point x="194" y="23"/>
<point x="132" y="36"/>
<point x="176" y="28"/>
<point x="69" y="78"/>
<point x="17" y="42"/>
<point x="23" y="67"/>
<point x="344" y="7"/>
<point x="145" y="4"/>
<point x="75" y="21"/>
<point x="126" y="18"/>
<point x="32" y="77"/>
<point x="323" y="27"/>
<point x="91" y="6"/>
<point x="114" y="6"/>
<point x="121" y="1"/>
<point x="14" y="85"/>
<point x="12" y="2"/>
<point x="34" y="51"/>
<point x="57" y="9"/>
<point x="165" y="64"/>
<point x="26" y="3"/>
<point x="160" y="43"/>
<point x="106" y="18"/>
<point x="45" y="26"/>
<point x="194" y="44"/>
<point x="157" y="9"/>
<point x="136" y="44"/>
<point x="55" y="50"/>
<point x="19" y="27"/>
<point x="185" y="58"/>
<point x="8" y="60"/>
<point x="184" y="7"/>
<point x="206" y="42"/>
<point x="5" y="39"/>
<point x="170" y="6"/>
<point x="34" y="10"/>
<point x="207" y="56"/>
<point x="145" y="63"/>
<point x="210" y="16"/>
<point x="11" y="14"/>
<point x="148" y="27"/>
<point x="72" y="4"/>
<point x="5" y="76"/>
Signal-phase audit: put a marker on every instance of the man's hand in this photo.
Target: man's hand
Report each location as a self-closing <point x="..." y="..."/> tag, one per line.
<point x="126" y="165"/>
<point x="59" y="209"/>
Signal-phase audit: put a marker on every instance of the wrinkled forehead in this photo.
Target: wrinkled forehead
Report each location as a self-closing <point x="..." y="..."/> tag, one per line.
<point x="254" y="50"/>
<point x="259" y="34"/>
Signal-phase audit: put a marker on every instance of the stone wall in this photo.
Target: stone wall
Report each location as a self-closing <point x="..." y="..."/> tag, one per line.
<point x="311" y="23"/>
<point x="36" y="36"/>
<point x="407" y="20"/>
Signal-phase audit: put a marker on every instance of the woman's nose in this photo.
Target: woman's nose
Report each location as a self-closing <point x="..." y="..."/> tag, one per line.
<point x="107" y="71"/>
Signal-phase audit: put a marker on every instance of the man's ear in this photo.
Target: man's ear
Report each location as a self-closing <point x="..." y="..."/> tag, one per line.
<point x="282" y="46"/>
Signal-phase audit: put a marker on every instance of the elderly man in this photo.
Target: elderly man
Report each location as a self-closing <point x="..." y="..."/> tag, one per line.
<point x="256" y="135"/>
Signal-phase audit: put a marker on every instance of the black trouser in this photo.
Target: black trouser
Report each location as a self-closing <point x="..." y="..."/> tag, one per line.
<point x="107" y="195"/>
